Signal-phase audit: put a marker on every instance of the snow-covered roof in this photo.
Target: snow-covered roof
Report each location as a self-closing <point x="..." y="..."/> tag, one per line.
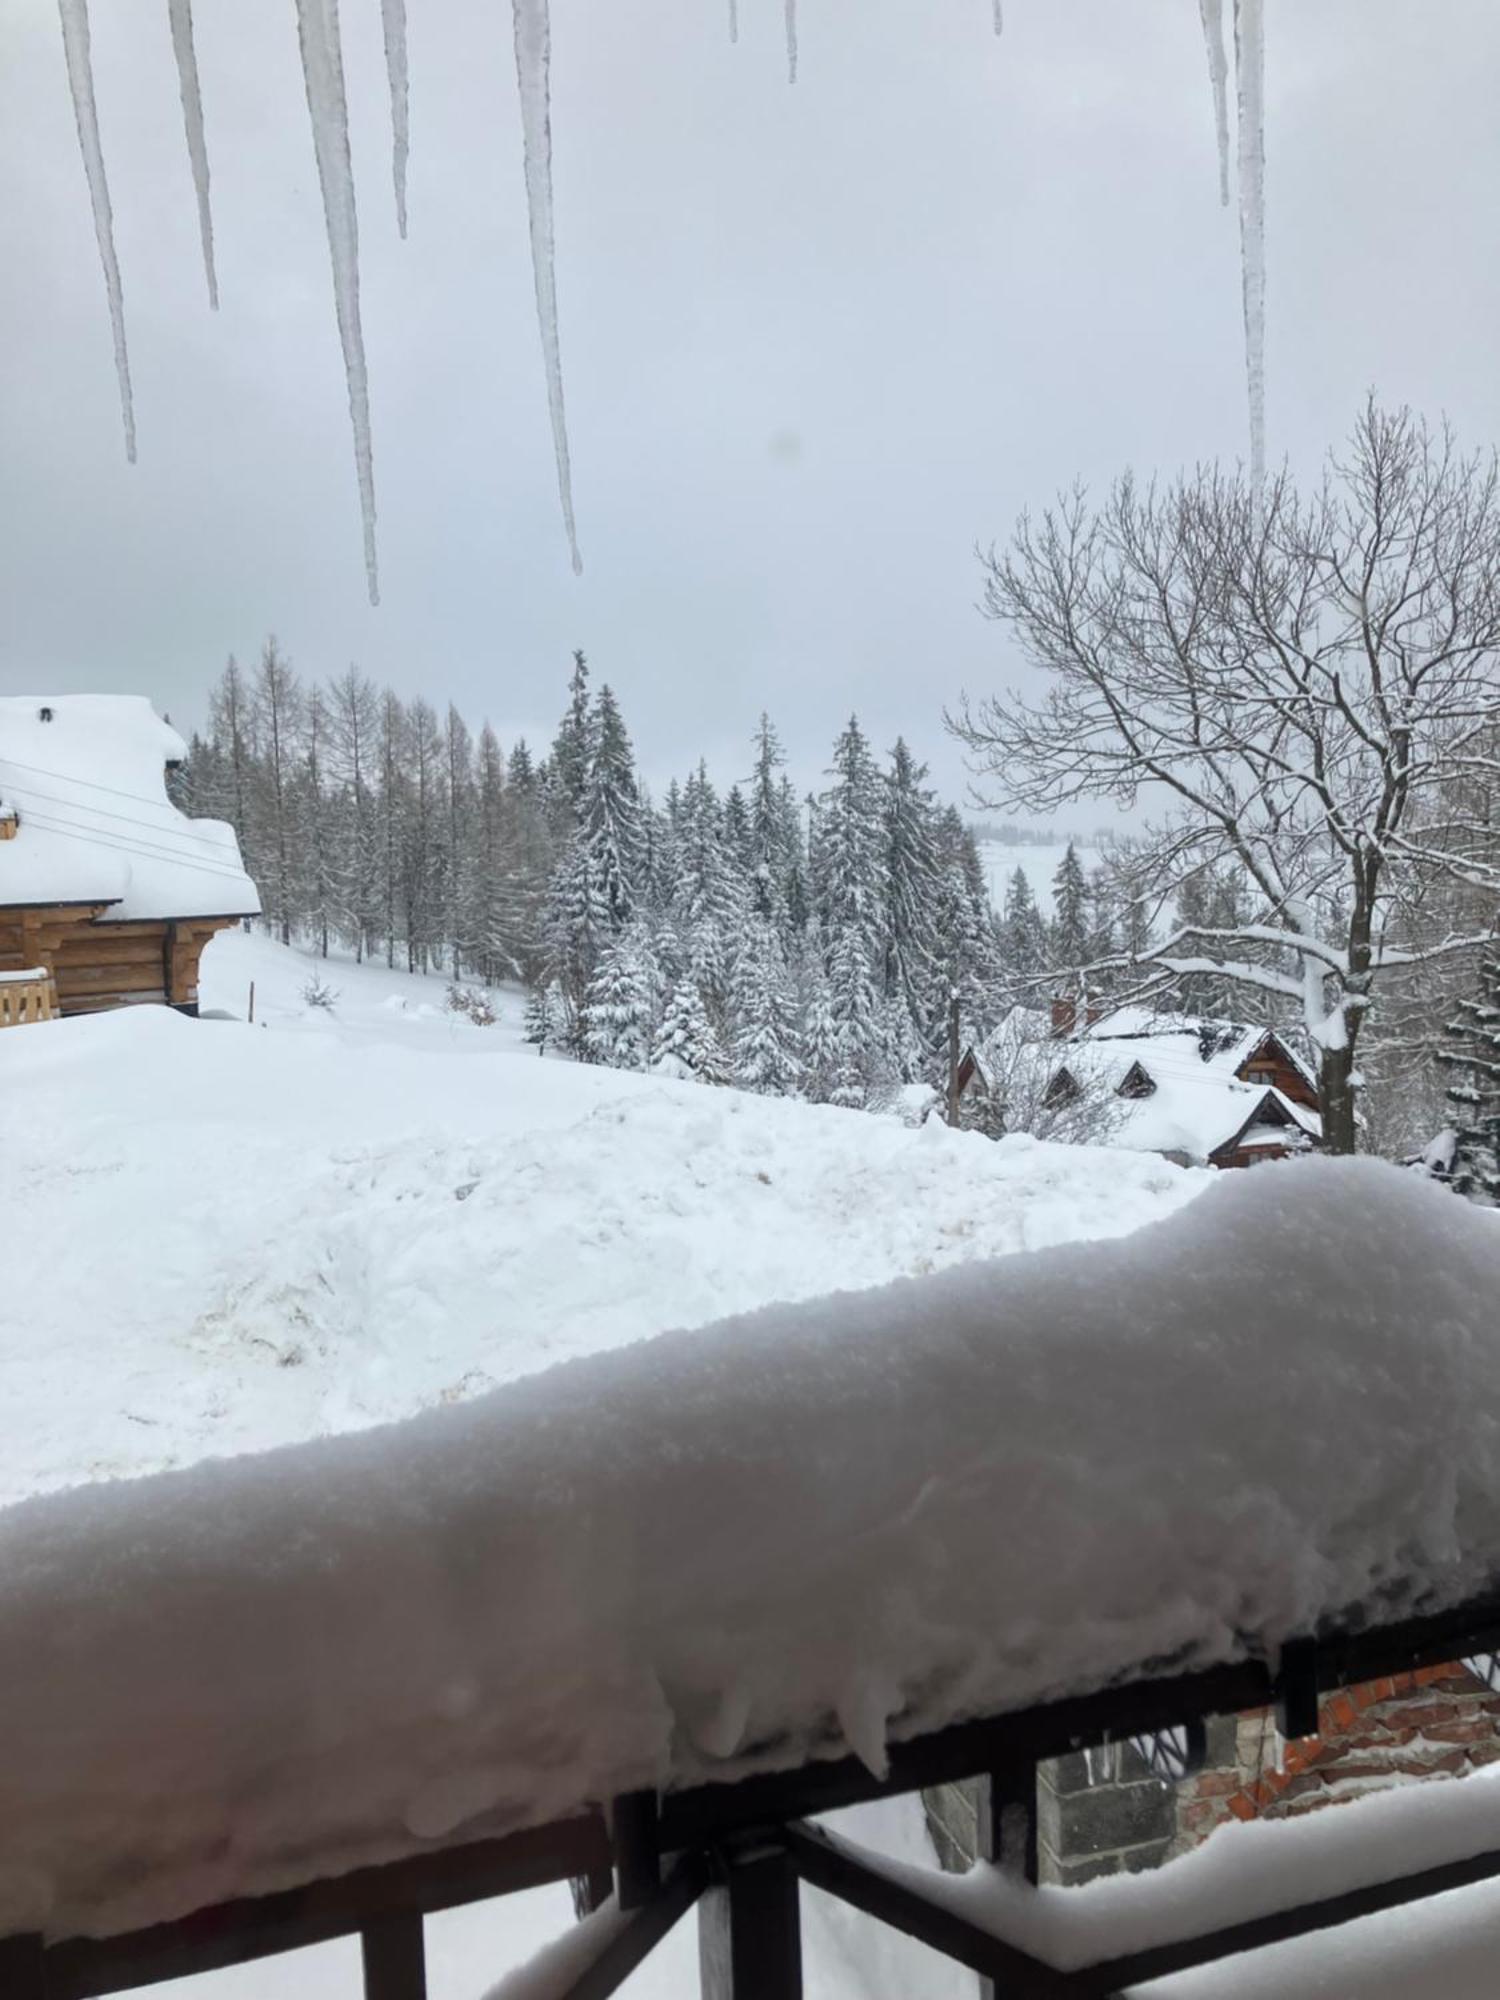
<point x="1195" y="1108"/>
<point x="741" y="1548"/>
<point x="1220" y="1045"/>
<point x="85" y="774"/>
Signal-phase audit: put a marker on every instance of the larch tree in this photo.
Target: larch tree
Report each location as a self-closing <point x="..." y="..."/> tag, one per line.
<point x="1294" y="683"/>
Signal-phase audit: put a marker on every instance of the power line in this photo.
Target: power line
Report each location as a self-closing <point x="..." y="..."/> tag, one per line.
<point x="24" y="792"/>
<point x="67" y="830"/>
<point x="66" y="778"/>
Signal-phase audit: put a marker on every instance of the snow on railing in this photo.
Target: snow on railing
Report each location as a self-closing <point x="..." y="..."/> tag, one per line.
<point x="812" y="1530"/>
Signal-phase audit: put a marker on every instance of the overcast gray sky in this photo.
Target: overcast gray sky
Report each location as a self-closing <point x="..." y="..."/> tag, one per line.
<point x="817" y="341"/>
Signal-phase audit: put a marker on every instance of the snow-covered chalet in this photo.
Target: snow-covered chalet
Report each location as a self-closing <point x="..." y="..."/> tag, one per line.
<point x="1199" y="1091"/>
<point x="108" y="893"/>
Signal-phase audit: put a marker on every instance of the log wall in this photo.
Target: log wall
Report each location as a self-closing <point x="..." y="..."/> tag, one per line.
<point x="100" y="964"/>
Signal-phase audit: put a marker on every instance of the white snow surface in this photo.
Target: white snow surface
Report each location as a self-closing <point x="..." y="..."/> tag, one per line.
<point x="735" y="1548"/>
<point x="318" y="1225"/>
<point x="1037" y="861"/>
<point x="96" y="825"/>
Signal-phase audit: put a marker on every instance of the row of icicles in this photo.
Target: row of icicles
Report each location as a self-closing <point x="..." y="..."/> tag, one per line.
<point x="323" y="75"/>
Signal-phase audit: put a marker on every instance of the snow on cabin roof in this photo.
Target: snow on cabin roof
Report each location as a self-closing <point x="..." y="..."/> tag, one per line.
<point x="1195" y="1108"/>
<point x="745" y="1547"/>
<point x="1218" y="1044"/>
<point x="86" y="776"/>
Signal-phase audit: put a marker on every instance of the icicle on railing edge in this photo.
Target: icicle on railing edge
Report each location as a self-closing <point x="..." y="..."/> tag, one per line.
<point x="791" y="41"/>
<point x="74" y="15"/>
<point x="533" y="36"/>
<point x="1249" y="58"/>
<point x="323" y="80"/>
<point x="393" y="24"/>
<point x="180" y="15"/>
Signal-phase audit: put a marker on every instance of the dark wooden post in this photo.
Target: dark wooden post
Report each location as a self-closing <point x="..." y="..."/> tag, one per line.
<point x="394" y="1952"/>
<point x="750" y="1930"/>
<point x="23" y="1968"/>
<point x="953" y="1056"/>
<point x="1008" y="1833"/>
<point x="633" y="1831"/>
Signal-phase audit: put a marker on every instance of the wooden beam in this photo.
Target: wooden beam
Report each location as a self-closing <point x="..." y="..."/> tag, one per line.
<point x="633" y="1830"/>
<point x="1008" y="1833"/>
<point x="259" y="1927"/>
<point x="1139" y="1968"/>
<point x="750" y="1928"/>
<point x="393" y="1952"/>
<point x="23" y="1969"/>
<point x="841" y="1870"/>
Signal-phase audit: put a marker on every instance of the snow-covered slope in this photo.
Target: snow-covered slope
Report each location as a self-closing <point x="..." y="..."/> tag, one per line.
<point x="239" y="1237"/>
<point x="1039" y="863"/>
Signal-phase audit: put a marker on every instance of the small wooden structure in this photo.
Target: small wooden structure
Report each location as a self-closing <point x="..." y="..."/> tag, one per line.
<point x="107" y="891"/>
<point x="27" y="995"/>
<point x="742" y="1851"/>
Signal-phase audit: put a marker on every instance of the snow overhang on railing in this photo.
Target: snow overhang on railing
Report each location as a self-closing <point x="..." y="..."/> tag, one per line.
<point x="807" y="1530"/>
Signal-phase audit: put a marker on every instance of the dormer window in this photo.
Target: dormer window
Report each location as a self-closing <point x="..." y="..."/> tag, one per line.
<point x="1136" y="1082"/>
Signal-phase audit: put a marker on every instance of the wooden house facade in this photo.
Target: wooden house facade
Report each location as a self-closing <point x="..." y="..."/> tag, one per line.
<point x="107" y="891"/>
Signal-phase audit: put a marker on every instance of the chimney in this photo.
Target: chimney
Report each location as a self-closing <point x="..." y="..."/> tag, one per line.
<point x="1064" y="1018"/>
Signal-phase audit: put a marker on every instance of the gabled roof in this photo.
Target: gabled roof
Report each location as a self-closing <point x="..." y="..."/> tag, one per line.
<point x="1198" y="1108"/>
<point x="85" y="775"/>
<point x="1220" y="1046"/>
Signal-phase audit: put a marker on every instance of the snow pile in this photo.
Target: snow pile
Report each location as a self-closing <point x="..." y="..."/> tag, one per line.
<point x="86" y="775"/>
<point x="321" y="1226"/>
<point x="807" y="1529"/>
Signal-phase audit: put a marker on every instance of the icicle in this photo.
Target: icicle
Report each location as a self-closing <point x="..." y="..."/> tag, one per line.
<point x="1250" y="72"/>
<point x="533" y="61"/>
<point x="393" y="15"/>
<point x="999" y="17"/>
<point x="180" y="13"/>
<point x="323" y="75"/>
<point x="734" y="20"/>
<point x="75" y="33"/>
<point x="1218" y="76"/>
<point x="791" y="41"/>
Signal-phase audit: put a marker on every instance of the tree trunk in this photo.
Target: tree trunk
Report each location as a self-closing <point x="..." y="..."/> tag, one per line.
<point x="1336" y="1100"/>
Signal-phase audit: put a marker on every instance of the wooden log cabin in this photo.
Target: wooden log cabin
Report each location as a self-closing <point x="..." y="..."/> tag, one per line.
<point x="106" y="889"/>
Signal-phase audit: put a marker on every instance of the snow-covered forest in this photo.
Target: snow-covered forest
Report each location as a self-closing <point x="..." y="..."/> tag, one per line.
<point x="743" y="933"/>
<point x="734" y="932"/>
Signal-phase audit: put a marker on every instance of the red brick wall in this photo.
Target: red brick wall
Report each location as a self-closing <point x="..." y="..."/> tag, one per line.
<point x="1438" y="1722"/>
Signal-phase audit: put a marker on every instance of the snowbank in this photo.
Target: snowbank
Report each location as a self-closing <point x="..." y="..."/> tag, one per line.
<point x="712" y="1553"/>
<point x="238" y="1238"/>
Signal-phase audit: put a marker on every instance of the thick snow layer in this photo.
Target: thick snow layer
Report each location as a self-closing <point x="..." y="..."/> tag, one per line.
<point x="736" y="1548"/>
<point x="95" y="822"/>
<point x="315" y="1226"/>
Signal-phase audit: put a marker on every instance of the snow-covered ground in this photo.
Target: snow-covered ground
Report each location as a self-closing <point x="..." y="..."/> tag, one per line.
<point x="1039" y="863"/>
<point x="238" y="1237"/>
<point x="242" y="1236"/>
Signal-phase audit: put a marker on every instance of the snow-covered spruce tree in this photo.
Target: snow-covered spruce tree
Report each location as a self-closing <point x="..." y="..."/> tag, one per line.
<point x="914" y="981"/>
<point x="460" y="803"/>
<point x="572" y="750"/>
<point x="1472" y="1057"/>
<point x="1023" y="932"/>
<point x="763" y="1006"/>
<point x="710" y="896"/>
<point x="1304" y="677"/>
<point x="610" y="813"/>
<point x="621" y="1005"/>
<point x="354" y="726"/>
<point x="687" y="1044"/>
<point x="848" y="867"/>
<point x="1068" y="937"/>
<point x="775" y="836"/>
<point x="545" y="1019"/>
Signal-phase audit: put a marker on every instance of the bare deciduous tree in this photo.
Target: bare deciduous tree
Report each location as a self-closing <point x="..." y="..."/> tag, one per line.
<point x="1302" y="684"/>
